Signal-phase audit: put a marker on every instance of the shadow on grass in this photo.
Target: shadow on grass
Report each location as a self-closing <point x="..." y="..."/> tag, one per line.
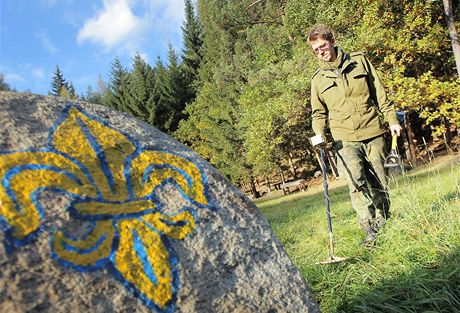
<point x="340" y="193"/>
<point x="426" y="171"/>
<point x="429" y="289"/>
<point x="447" y="198"/>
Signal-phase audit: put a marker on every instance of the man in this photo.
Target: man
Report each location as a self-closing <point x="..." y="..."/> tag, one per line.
<point x="348" y="98"/>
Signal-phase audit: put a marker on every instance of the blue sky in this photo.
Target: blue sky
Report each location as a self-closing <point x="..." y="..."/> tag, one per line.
<point x="83" y="37"/>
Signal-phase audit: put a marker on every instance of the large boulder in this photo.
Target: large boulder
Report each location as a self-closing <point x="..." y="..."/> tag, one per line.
<point x="100" y="212"/>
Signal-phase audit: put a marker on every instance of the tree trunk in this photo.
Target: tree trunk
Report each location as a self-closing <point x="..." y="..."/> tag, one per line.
<point x="410" y="140"/>
<point x="267" y="182"/>
<point x="447" y="136"/>
<point x="254" y="191"/>
<point x="283" y="180"/>
<point x="406" y="147"/>
<point x="449" y="12"/>
<point x="292" y="166"/>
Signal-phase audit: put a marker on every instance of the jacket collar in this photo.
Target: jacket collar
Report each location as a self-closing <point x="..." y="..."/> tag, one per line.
<point x="347" y="61"/>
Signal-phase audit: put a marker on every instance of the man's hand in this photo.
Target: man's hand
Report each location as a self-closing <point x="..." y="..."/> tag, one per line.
<point x="395" y="129"/>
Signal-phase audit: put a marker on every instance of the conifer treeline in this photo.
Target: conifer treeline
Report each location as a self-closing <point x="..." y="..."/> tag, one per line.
<point x="155" y="94"/>
<point x="239" y="93"/>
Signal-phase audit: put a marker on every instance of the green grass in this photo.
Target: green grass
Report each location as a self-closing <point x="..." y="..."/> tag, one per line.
<point x="415" y="264"/>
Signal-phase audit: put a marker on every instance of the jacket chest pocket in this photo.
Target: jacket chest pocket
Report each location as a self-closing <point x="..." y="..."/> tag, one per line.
<point x="329" y="91"/>
<point x="358" y="82"/>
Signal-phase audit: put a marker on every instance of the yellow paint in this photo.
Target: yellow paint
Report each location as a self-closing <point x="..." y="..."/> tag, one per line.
<point x="102" y="228"/>
<point x="111" y="210"/>
<point x="96" y="208"/>
<point x="132" y="269"/>
<point x="157" y="220"/>
<point x="26" y="220"/>
<point x="195" y="190"/>
<point x="69" y="138"/>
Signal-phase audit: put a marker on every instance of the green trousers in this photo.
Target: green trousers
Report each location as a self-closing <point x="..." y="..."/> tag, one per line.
<point x="361" y="163"/>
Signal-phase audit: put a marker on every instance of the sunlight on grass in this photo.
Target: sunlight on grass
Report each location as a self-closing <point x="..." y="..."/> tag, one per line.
<point x="412" y="268"/>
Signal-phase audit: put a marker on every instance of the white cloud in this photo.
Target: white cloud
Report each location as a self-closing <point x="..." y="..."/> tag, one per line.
<point x="129" y="26"/>
<point x="38" y="73"/>
<point x="46" y="42"/>
<point x="24" y="72"/>
<point x="113" y="25"/>
<point x="14" y="78"/>
<point x="165" y="17"/>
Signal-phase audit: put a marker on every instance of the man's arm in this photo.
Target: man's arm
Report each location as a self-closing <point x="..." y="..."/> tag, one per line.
<point x="318" y="112"/>
<point x="380" y="97"/>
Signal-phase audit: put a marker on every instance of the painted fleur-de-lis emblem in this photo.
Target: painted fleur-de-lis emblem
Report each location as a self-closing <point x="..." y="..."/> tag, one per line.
<point x="112" y="184"/>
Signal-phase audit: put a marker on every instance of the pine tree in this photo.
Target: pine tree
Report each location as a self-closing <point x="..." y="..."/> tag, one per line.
<point x="71" y="90"/>
<point x="170" y="91"/>
<point x="58" y="83"/>
<point x="156" y="113"/>
<point x="177" y="90"/>
<point x="191" y="59"/>
<point x="141" y="92"/>
<point x="117" y="90"/>
<point x="210" y="127"/>
<point x="92" y="96"/>
<point x="160" y="113"/>
<point x="64" y="93"/>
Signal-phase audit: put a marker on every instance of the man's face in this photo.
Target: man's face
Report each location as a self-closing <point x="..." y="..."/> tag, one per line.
<point x="324" y="49"/>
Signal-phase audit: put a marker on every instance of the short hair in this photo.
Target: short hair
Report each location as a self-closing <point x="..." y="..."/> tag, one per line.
<point x="322" y="31"/>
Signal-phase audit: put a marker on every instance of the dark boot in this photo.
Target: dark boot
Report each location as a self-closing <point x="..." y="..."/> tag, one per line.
<point x="371" y="235"/>
<point x="369" y="240"/>
<point x="380" y="219"/>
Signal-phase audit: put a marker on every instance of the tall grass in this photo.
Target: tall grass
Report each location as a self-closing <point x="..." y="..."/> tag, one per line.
<point x="415" y="263"/>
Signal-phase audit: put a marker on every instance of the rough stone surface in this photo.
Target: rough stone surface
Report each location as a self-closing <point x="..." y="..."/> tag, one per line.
<point x="228" y="262"/>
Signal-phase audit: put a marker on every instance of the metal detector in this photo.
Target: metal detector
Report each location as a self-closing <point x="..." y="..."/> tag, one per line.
<point x="393" y="159"/>
<point x="319" y="143"/>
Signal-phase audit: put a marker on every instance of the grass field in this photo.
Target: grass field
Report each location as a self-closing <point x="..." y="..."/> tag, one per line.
<point x="415" y="264"/>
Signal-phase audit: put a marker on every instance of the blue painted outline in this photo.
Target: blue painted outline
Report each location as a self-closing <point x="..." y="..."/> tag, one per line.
<point x="84" y="236"/>
<point x="99" y="154"/>
<point x="18" y="169"/>
<point x="108" y="262"/>
<point x="141" y="253"/>
<point x="97" y="217"/>
<point x="99" y="265"/>
<point x="68" y="157"/>
<point x="173" y="261"/>
<point x="180" y="223"/>
<point x="69" y="247"/>
<point x="127" y="170"/>
<point x="10" y="242"/>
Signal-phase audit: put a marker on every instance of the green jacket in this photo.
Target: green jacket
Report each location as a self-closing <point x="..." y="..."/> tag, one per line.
<point x="352" y="100"/>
